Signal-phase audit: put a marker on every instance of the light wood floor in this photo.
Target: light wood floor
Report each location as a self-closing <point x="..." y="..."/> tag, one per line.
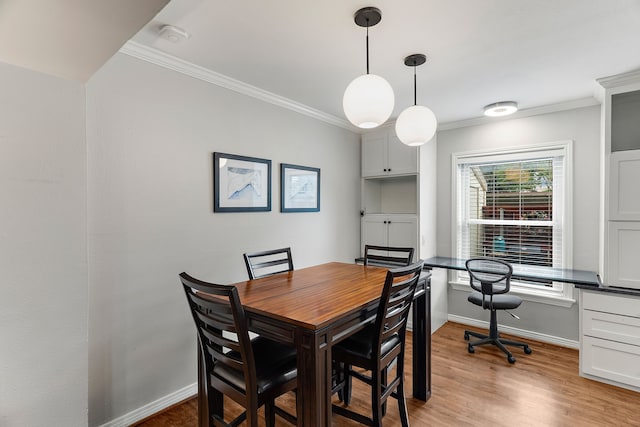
<point x="483" y="389"/>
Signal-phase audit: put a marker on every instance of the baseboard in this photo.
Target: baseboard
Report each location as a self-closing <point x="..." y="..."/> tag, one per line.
<point x="563" y="342"/>
<point x="154" y="407"/>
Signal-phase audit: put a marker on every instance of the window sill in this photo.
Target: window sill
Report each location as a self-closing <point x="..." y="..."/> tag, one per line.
<point x="527" y="295"/>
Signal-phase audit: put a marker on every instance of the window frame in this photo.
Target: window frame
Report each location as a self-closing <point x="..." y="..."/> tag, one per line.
<point x="559" y="293"/>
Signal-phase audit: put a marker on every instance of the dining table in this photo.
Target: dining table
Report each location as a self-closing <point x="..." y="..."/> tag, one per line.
<point x="314" y="308"/>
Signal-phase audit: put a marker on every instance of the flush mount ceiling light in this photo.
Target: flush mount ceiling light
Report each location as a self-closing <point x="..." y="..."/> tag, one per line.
<point x="173" y="34"/>
<point x="416" y="124"/>
<point x="368" y="100"/>
<point x="503" y="108"/>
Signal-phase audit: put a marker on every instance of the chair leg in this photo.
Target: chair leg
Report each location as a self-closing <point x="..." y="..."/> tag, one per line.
<point x="346" y="390"/>
<point x="383" y="380"/>
<point x="376" y="394"/>
<point x="402" y="404"/>
<point x="270" y="413"/>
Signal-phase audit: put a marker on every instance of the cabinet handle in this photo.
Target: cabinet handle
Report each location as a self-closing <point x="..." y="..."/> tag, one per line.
<point x="384" y="170"/>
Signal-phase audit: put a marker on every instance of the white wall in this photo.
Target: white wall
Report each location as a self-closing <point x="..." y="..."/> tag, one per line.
<point x="43" y="295"/>
<point x="151" y="135"/>
<point x="583" y="127"/>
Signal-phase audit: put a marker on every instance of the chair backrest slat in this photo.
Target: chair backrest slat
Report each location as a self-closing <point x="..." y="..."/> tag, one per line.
<point x="267" y="263"/>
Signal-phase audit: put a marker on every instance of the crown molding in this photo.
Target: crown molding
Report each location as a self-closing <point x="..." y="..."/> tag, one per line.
<point x="545" y="109"/>
<point x="619" y="79"/>
<point x="171" y="62"/>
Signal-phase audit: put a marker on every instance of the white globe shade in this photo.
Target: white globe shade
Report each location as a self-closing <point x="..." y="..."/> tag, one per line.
<point x="416" y="125"/>
<point x="368" y="101"/>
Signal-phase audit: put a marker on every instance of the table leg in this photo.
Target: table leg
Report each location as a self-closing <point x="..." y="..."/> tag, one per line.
<point x="314" y="380"/>
<point x="422" y="344"/>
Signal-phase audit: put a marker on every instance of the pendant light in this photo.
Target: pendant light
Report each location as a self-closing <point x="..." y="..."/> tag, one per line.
<point x="368" y="100"/>
<point x="416" y="124"/>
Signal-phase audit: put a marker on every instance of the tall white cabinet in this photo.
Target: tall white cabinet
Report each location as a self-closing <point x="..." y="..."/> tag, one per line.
<point x="390" y="191"/>
<point x="621" y="175"/>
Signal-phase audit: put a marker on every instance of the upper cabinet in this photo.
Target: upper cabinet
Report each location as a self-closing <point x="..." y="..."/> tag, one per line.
<point x="384" y="155"/>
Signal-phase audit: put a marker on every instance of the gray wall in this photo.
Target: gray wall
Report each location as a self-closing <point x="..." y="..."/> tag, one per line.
<point x="583" y="127"/>
<point x="43" y="295"/>
<point x="151" y="135"/>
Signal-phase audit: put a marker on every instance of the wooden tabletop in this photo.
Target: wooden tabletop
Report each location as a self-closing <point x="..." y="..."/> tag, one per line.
<point x="312" y="297"/>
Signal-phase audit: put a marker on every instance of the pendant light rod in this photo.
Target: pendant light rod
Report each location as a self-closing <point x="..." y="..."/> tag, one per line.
<point x="367" y="17"/>
<point x="413" y="61"/>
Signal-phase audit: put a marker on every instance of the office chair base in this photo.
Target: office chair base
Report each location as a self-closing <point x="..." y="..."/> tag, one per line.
<point x="495" y="339"/>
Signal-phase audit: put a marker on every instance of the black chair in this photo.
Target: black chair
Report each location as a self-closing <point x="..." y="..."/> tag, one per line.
<point x="491" y="280"/>
<point x="387" y="256"/>
<point x="266" y="263"/>
<point x="376" y="347"/>
<point x="251" y="372"/>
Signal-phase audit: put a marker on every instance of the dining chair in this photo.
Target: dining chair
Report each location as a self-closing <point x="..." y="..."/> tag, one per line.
<point x="266" y="263"/>
<point x="388" y="256"/>
<point x="376" y="347"/>
<point x="252" y="372"/>
<point x="490" y="280"/>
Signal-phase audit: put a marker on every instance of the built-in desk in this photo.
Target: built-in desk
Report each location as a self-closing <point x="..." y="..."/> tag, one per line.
<point x="583" y="278"/>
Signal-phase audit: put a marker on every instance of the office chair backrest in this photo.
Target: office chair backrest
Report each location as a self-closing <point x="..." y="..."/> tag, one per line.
<point x="489" y="276"/>
<point x="387" y="256"/>
<point x="222" y="329"/>
<point x="397" y="295"/>
<point x="266" y="263"/>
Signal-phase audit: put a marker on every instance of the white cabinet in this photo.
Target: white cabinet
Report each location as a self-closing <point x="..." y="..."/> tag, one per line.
<point x="390" y="230"/>
<point x="384" y="155"/>
<point x="620" y="250"/>
<point x="610" y="338"/>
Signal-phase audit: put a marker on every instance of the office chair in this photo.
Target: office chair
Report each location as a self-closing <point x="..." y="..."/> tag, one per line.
<point x="386" y="256"/>
<point x="491" y="280"/>
<point x="266" y="263"/>
<point x="252" y="372"/>
<point x="376" y="347"/>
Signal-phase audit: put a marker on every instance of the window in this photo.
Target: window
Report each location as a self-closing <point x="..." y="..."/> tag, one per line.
<point x="513" y="205"/>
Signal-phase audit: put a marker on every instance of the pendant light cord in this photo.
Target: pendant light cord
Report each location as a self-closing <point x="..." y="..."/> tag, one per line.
<point x="367" y="46"/>
<point x="415" y="86"/>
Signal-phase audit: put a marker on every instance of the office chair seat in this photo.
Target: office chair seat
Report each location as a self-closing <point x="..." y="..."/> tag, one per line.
<point x="500" y="302"/>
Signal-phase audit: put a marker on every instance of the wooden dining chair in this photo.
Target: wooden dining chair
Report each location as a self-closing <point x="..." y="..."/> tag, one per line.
<point x="266" y="263"/>
<point x="387" y="256"/>
<point x="251" y="372"/>
<point x="376" y="347"/>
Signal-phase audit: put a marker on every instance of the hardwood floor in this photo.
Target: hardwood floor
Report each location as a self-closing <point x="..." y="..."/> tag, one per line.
<point x="483" y="389"/>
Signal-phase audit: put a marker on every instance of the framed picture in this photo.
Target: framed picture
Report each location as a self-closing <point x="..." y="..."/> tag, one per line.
<point x="241" y="184"/>
<point x="299" y="188"/>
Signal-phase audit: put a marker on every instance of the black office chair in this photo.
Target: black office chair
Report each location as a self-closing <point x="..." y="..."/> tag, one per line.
<point x="386" y="256"/>
<point x="491" y="280"/>
<point x="266" y="263"/>
<point x="376" y="347"/>
<point x="251" y="372"/>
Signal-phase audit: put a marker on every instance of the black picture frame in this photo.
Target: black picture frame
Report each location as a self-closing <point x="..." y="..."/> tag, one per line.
<point x="299" y="188"/>
<point x="241" y="183"/>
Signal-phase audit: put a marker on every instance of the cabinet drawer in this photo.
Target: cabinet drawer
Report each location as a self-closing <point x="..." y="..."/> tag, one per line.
<point x="610" y="303"/>
<point x="611" y="360"/>
<point x="614" y="327"/>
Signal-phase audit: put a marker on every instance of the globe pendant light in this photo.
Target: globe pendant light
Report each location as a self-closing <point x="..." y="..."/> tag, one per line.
<point x="416" y="124"/>
<point x="368" y="100"/>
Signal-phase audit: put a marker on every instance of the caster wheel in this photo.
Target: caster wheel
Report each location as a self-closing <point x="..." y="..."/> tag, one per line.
<point x="470" y="349"/>
<point x="511" y="359"/>
<point x="527" y="350"/>
<point x="466" y="337"/>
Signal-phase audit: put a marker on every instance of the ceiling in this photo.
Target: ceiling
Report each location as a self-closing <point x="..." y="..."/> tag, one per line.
<point x="534" y="52"/>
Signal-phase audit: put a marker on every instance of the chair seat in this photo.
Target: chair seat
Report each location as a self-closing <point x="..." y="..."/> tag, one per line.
<point x="275" y="365"/>
<point x="500" y="302"/>
<point x="360" y="344"/>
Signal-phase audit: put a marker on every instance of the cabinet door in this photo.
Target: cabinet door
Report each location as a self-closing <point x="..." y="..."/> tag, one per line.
<point x="374" y="230"/>
<point x="624" y="253"/>
<point x="403" y="232"/>
<point x="374" y="154"/>
<point x="624" y="192"/>
<point x="402" y="159"/>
